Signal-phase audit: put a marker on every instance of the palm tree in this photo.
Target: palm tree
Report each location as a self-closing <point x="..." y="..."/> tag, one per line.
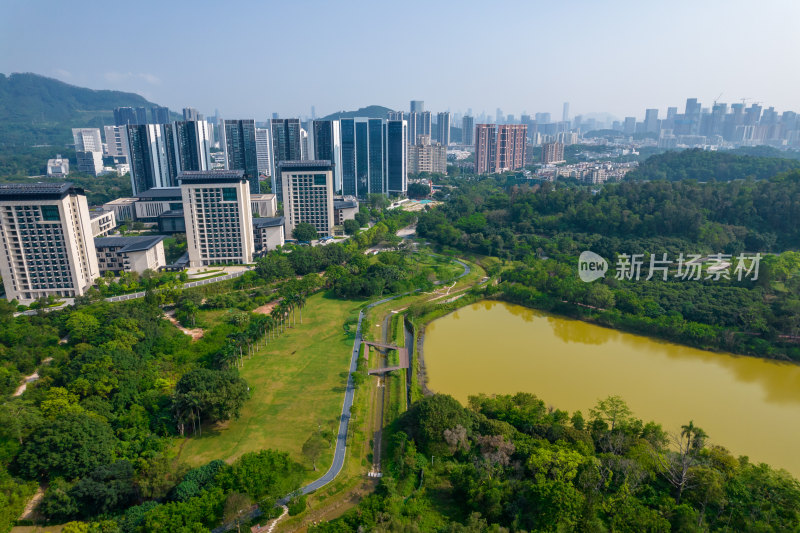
<point x="301" y="301"/>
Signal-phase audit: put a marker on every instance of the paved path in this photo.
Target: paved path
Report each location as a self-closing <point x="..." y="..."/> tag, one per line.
<point x="344" y="421"/>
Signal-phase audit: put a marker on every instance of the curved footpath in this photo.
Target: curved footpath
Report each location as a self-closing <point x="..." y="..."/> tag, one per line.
<point x="344" y="421"/>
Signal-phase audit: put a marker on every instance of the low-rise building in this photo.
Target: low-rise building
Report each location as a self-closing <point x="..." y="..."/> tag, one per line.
<point x="153" y="202"/>
<point x="268" y="233"/>
<point x="344" y="209"/>
<point x="130" y="254"/>
<point x="58" y="167"/>
<point x="123" y="208"/>
<point x="103" y="221"/>
<point x="264" y="205"/>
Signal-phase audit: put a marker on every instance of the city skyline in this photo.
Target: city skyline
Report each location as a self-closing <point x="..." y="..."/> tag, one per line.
<point x="659" y="55"/>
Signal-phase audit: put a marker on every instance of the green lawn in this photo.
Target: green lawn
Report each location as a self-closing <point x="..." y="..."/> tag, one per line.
<point x="297" y="384"/>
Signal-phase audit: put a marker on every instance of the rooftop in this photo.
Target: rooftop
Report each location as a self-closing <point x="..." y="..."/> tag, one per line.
<point x="163" y="192"/>
<point x="129" y="244"/>
<point x="210" y="176"/>
<point x="268" y="222"/>
<point x="305" y="165"/>
<point x="14" y="191"/>
<point x="344" y="204"/>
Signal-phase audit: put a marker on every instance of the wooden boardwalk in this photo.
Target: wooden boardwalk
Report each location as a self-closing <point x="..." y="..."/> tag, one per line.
<point x="401" y="352"/>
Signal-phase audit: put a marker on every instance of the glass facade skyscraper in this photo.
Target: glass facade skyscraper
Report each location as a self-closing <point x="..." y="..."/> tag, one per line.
<point x="240" y="150"/>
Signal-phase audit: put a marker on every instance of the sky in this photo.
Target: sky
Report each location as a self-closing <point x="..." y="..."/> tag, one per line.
<point x="250" y="58"/>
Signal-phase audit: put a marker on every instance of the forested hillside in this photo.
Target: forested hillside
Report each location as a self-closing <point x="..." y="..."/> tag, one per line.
<point x="705" y="165"/>
<point x="38" y="110"/>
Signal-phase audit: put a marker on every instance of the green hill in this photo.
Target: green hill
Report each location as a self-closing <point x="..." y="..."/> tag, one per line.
<point x="702" y="165"/>
<point x="38" y="110"/>
<point x="371" y="111"/>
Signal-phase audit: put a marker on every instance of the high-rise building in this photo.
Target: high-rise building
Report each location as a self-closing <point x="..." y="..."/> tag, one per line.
<point x="218" y="217"/>
<point x="362" y="156"/>
<point x="190" y="113"/>
<point x="552" y="153"/>
<point x="500" y="147"/>
<point x="327" y="147"/>
<point x="543" y="118"/>
<point x="159" y="115"/>
<point x="629" y="127"/>
<point x="376" y="179"/>
<point x="87" y="139"/>
<point x="485" y="147"/>
<point x="417" y="106"/>
<point x="396" y="157"/>
<point x="263" y="151"/>
<point x="115" y="141"/>
<point x="88" y="150"/>
<point x="47" y="238"/>
<point x="443" y="127"/>
<point x="511" y="144"/>
<point x="141" y="115"/>
<point x="151" y="156"/>
<point x="124" y="116"/>
<point x="565" y="113"/>
<point x="308" y="195"/>
<point x="240" y="150"/>
<point x="419" y="123"/>
<point x="192" y="147"/>
<point x="348" y="132"/>
<point x="651" y="121"/>
<point x="468" y="131"/>
<point x="286" y="146"/>
<point x="427" y="157"/>
<point x="396" y="115"/>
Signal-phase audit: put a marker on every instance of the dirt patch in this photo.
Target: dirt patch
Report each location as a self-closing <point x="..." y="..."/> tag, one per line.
<point x="194" y="333"/>
<point x="28" y="513"/>
<point x="337" y="508"/>
<point x="266" y="308"/>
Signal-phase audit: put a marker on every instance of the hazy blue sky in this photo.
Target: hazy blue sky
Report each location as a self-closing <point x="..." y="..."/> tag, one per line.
<point x="252" y="58"/>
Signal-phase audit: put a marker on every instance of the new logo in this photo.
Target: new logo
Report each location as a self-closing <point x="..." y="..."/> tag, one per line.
<point x="591" y="266"/>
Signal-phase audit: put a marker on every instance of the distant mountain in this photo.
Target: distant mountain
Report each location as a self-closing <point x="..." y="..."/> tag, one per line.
<point x="371" y="111"/>
<point x="35" y="109"/>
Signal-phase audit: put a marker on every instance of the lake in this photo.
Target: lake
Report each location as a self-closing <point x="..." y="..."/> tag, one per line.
<point x="751" y="406"/>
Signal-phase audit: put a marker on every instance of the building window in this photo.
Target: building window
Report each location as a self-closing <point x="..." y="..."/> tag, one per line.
<point x="50" y="213"/>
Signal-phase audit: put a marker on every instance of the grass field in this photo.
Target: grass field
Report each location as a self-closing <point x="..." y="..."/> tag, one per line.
<point x="297" y="385"/>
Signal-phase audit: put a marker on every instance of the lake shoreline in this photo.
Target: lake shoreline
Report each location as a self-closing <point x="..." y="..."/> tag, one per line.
<point x="499" y="347"/>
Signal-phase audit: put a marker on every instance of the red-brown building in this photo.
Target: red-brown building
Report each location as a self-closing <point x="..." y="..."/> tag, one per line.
<point x="499" y="148"/>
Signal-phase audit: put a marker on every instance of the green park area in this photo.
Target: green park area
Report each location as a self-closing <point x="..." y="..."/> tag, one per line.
<point x="296" y="385"/>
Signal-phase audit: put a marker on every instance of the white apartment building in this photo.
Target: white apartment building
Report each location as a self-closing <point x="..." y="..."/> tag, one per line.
<point x="130" y="254"/>
<point x="268" y="234"/>
<point x="308" y="195"/>
<point x="46" y="239"/>
<point x="218" y="217"/>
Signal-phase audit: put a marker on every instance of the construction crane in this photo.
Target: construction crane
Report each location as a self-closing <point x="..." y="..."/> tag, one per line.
<point x="718" y="97"/>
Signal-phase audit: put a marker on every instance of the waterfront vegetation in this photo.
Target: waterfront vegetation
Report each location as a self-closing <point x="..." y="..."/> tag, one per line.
<point x="539" y="232"/>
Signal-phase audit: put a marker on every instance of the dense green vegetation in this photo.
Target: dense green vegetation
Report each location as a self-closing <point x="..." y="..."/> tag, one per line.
<point x="704" y="165"/>
<point x="99" y="190"/>
<point x="39" y="110"/>
<point x="544" y="229"/>
<point x="508" y="463"/>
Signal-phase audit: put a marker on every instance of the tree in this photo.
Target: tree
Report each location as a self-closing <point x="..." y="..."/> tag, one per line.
<point x="265" y="476"/>
<point x="236" y="507"/>
<point x="677" y="466"/>
<point x="69" y="446"/>
<point x="313" y="448"/>
<point x="305" y="232"/>
<point x="418" y="190"/>
<point x="82" y="326"/>
<point x="351" y="227"/>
